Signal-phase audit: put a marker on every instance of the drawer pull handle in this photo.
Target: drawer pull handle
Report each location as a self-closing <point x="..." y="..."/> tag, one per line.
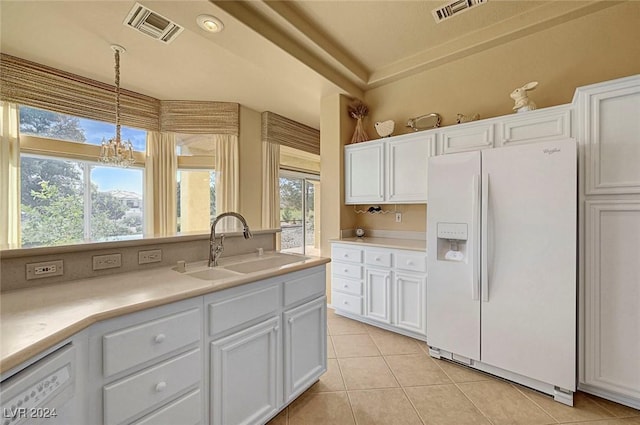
<point x="159" y="338"/>
<point x="161" y="386"/>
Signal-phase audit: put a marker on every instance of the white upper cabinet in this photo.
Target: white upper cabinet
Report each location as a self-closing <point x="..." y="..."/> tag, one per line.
<point x="407" y="159"/>
<point x="610" y="130"/>
<point x="535" y="126"/>
<point x="467" y="137"/>
<point x="392" y="170"/>
<point x="364" y="172"/>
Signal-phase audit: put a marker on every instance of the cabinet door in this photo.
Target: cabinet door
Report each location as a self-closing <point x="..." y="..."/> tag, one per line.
<point x="611" y="297"/>
<point x="407" y="167"/>
<point x="610" y="130"/>
<point x="244" y="375"/>
<point x="411" y="302"/>
<point x="377" y="295"/>
<point x="536" y="126"/>
<point x="364" y="173"/>
<point x="467" y="137"/>
<point x="305" y="346"/>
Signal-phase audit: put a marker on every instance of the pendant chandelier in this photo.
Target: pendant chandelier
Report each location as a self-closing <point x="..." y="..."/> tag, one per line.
<point x="115" y="151"/>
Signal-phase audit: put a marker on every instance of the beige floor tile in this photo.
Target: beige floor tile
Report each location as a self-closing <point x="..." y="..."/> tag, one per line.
<point x="280" y="419"/>
<point x="359" y="345"/>
<point x="628" y="421"/>
<point x="459" y="373"/>
<point x="503" y="404"/>
<point x="343" y="326"/>
<point x="383" y="407"/>
<point x="392" y="343"/>
<point x="617" y="410"/>
<point x="321" y="409"/>
<point x="331" y="380"/>
<point x="584" y="408"/>
<point x="444" y="405"/>
<point x="331" y="353"/>
<point x="413" y="370"/>
<point x="362" y="373"/>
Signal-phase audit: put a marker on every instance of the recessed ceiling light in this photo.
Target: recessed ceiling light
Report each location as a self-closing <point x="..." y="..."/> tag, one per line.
<point x="210" y="23"/>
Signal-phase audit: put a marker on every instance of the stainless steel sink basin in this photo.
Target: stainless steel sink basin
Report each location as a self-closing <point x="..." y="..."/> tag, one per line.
<point x="215" y="273"/>
<point x="260" y="264"/>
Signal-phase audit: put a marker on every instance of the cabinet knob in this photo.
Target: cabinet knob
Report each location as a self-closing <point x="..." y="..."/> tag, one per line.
<point x="409" y="263"/>
<point x="159" y="338"/>
<point x="345" y="302"/>
<point x="345" y="255"/>
<point x="345" y="286"/>
<point x="161" y="386"/>
<point x="377" y="258"/>
<point x="346" y="270"/>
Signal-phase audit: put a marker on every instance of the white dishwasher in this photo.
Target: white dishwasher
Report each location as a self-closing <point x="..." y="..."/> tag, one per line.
<point x="42" y="392"/>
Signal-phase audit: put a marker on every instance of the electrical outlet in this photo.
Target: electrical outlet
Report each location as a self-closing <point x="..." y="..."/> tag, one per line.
<point x="108" y="261"/>
<point x="150" y="256"/>
<point x="45" y="269"/>
<point x="398" y="217"/>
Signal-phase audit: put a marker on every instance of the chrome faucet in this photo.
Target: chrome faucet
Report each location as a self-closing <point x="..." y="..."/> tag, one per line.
<point x="215" y="249"/>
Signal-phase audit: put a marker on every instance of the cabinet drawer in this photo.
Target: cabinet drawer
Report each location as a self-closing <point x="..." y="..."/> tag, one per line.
<point x="305" y="287"/>
<point x="377" y="258"/>
<point x="187" y="410"/>
<point x="229" y="313"/>
<point x="132" y="346"/>
<point x="345" y="302"/>
<point x="414" y="262"/>
<point x="353" y="271"/>
<point x="536" y="127"/>
<point x="350" y="286"/>
<point x="343" y="253"/>
<point x="151" y="387"/>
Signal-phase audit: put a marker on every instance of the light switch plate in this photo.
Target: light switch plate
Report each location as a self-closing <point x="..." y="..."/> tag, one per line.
<point x="109" y="261"/>
<point x="150" y="256"/>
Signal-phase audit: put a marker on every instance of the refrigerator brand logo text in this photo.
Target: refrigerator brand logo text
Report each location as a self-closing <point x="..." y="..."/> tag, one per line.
<point x="551" y="151"/>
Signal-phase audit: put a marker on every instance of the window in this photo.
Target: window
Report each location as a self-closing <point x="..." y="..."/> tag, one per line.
<point x="299" y="194"/>
<point x="196" y="197"/>
<point x="68" y="197"/>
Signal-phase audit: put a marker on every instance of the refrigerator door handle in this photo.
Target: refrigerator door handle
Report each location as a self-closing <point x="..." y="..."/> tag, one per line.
<point x="475" y="283"/>
<point x="484" y="271"/>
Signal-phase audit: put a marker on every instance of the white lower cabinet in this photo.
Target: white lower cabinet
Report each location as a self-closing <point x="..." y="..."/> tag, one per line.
<point x="378" y="295"/>
<point x="147" y="367"/>
<point x="389" y="293"/>
<point x="266" y="344"/>
<point x="244" y="375"/>
<point x="305" y="345"/>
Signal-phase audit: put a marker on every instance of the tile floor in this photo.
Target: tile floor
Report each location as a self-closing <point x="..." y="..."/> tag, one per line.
<point x="377" y="377"/>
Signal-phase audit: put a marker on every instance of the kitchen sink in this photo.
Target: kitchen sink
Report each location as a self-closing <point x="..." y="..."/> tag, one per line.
<point x="215" y="273"/>
<point x="256" y="265"/>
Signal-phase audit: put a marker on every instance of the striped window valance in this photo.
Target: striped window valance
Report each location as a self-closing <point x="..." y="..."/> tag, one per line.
<point x="200" y="117"/>
<point x="286" y="132"/>
<point x="31" y="84"/>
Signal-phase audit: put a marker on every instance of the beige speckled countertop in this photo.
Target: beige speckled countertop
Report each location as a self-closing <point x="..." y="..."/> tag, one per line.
<point x="34" y="319"/>
<point x="395" y="243"/>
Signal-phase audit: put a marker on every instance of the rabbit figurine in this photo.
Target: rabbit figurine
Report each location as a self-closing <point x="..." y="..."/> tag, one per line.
<point x="519" y="95"/>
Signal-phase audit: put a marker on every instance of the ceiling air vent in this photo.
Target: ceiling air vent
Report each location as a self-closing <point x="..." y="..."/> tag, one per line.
<point x="452" y="8"/>
<point x="152" y="24"/>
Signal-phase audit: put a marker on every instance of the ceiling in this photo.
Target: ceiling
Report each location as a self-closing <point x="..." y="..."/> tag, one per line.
<point x="280" y="56"/>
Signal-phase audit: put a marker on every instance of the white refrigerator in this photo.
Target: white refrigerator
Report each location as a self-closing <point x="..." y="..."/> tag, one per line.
<point x="501" y="248"/>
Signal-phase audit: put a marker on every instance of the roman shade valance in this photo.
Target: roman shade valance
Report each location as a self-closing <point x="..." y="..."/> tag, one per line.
<point x="31" y="84"/>
<point x="200" y="117"/>
<point x="286" y="132"/>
